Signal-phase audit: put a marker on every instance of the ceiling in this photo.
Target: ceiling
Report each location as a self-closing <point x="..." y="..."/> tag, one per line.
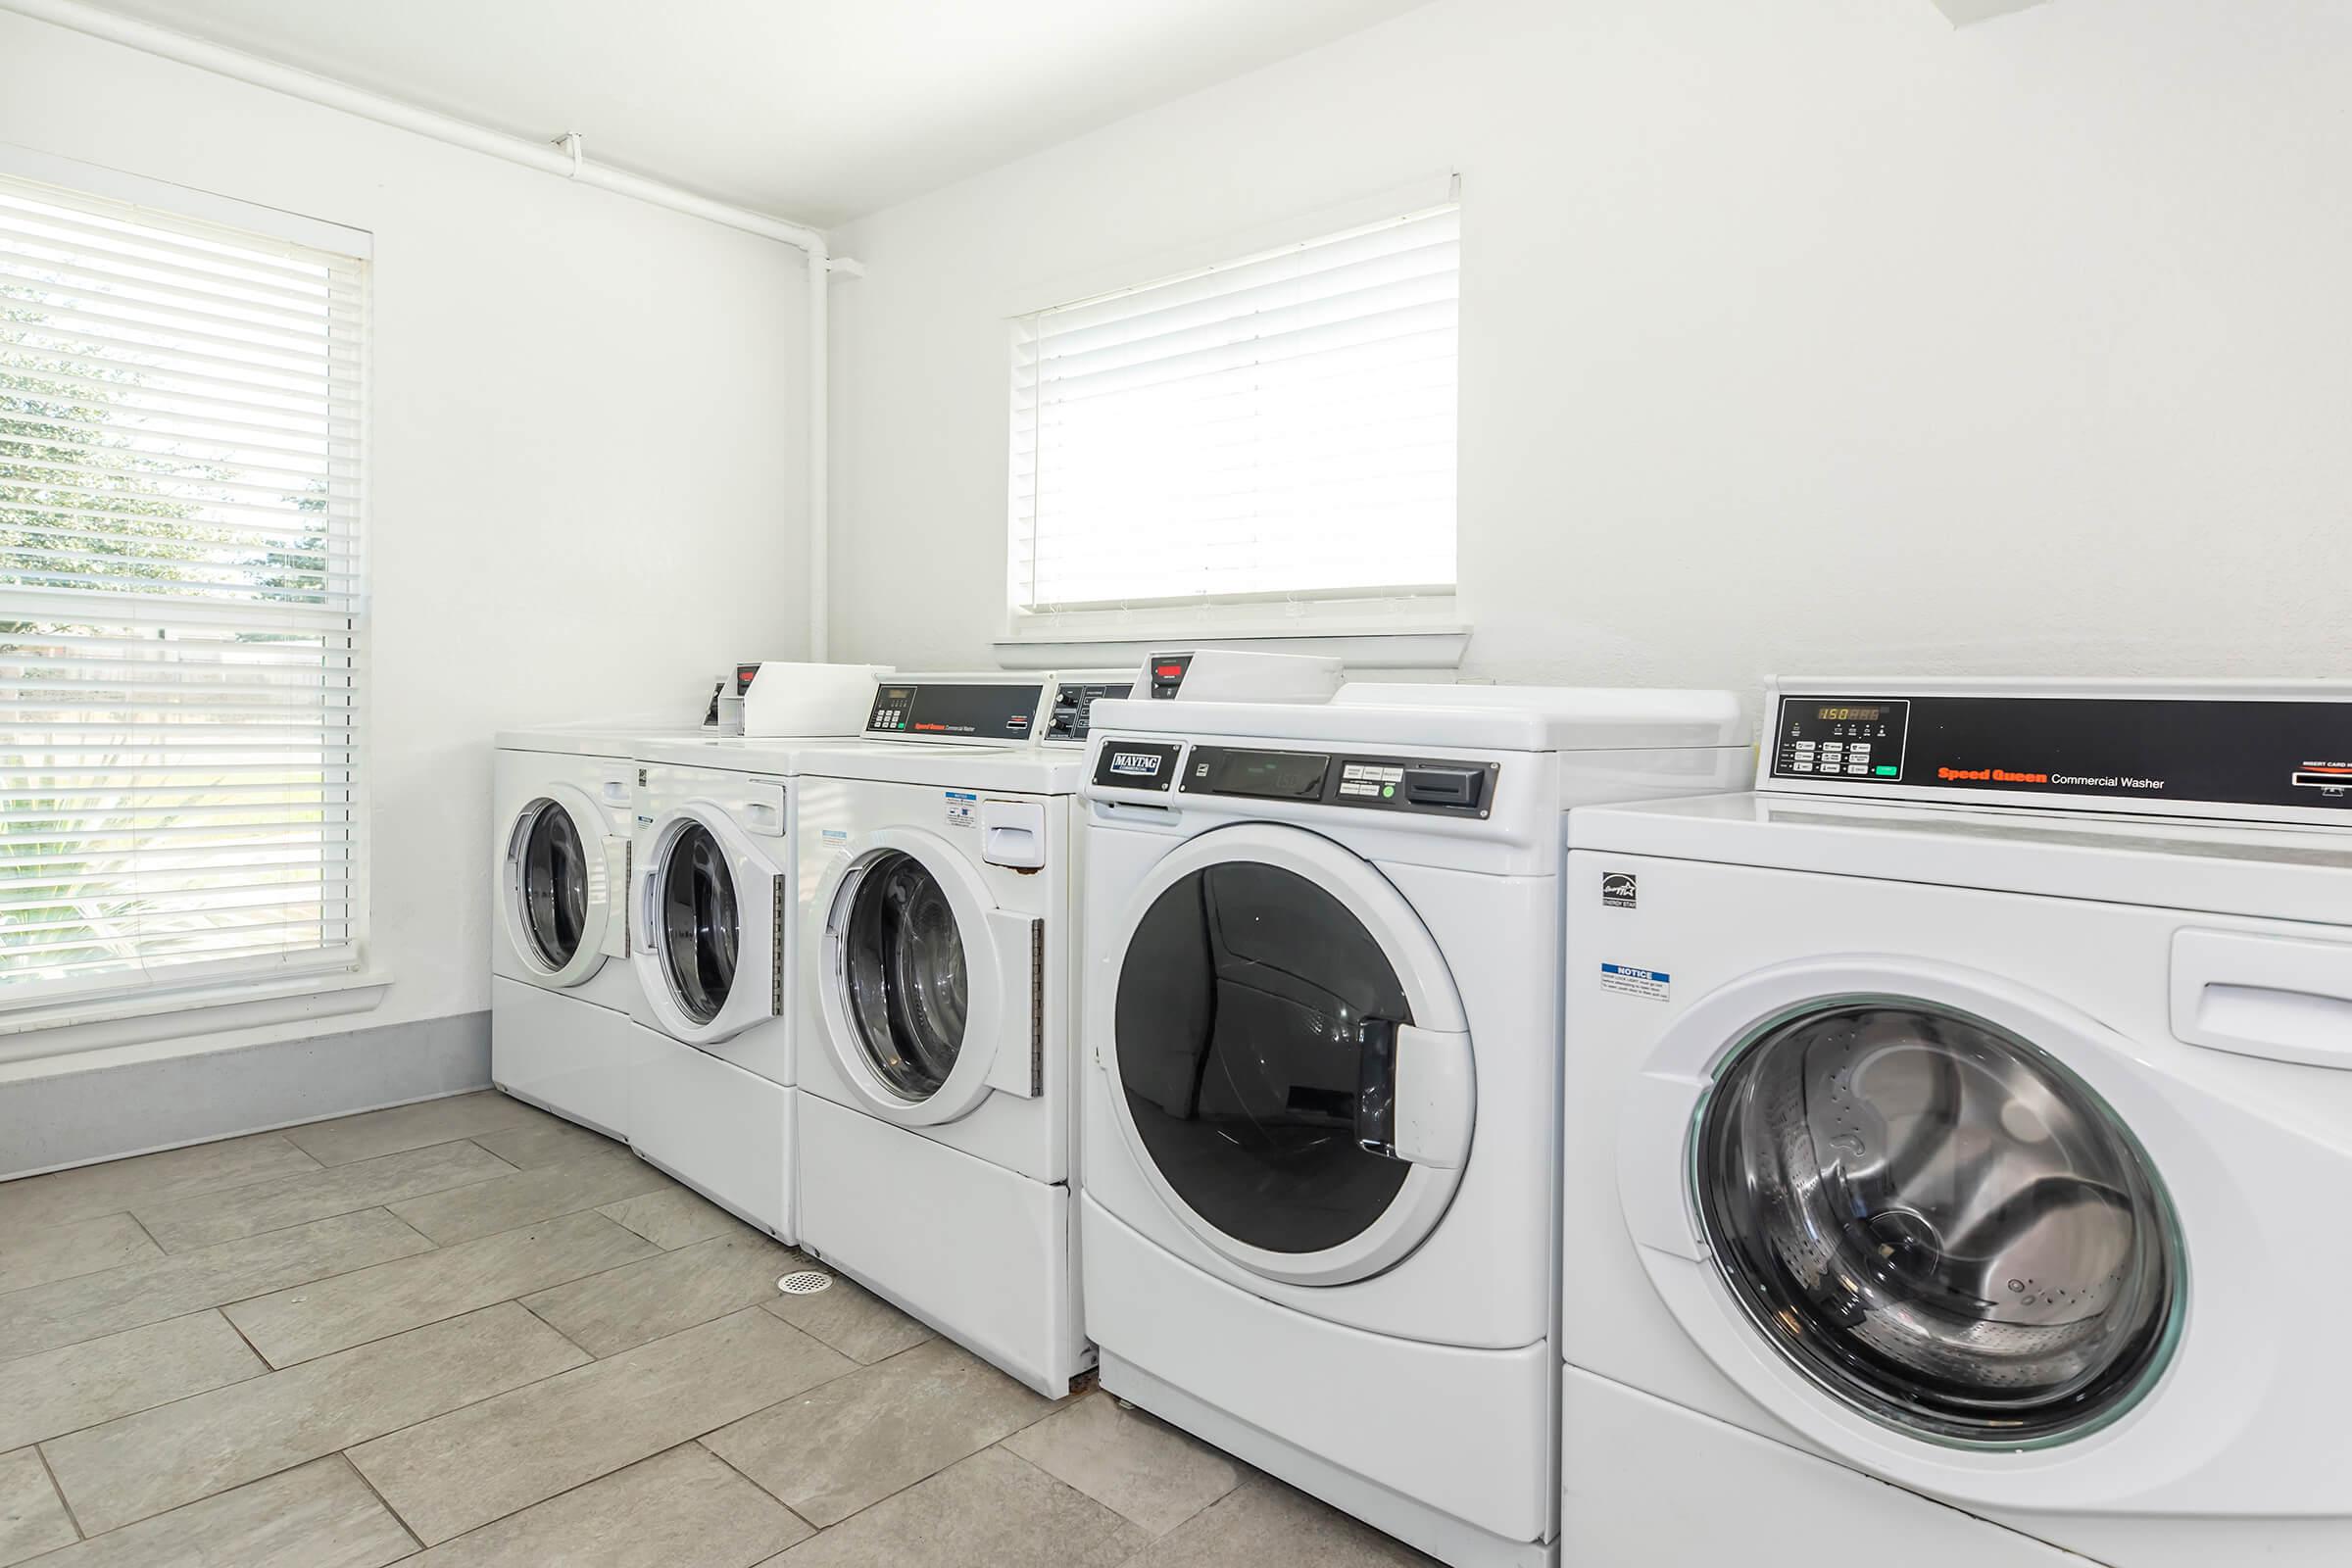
<point x="815" y="110"/>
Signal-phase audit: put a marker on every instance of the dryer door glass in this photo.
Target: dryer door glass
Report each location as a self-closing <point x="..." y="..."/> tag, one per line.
<point x="1240" y="1026"/>
<point x="1940" y="1224"/>
<point x="552" y="881"/>
<point x="903" y="968"/>
<point x="700" y="934"/>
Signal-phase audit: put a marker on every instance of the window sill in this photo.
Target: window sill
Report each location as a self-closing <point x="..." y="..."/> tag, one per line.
<point x="1115" y="639"/>
<point x="73" y="1027"/>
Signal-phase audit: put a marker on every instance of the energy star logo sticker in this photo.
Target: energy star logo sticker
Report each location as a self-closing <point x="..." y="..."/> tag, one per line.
<point x="1620" y="890"/>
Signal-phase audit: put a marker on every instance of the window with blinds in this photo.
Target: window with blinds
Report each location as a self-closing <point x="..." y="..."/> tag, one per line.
<point x="1277" y="427"/>
<point x="182" y="625"/>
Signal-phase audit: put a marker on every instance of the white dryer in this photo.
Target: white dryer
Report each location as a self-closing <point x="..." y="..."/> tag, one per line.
<point x="937" y="877"/>
<point x="1320" y="1057"/>
<point x="1967" y="1109"/>
<point x="562" y="994"/>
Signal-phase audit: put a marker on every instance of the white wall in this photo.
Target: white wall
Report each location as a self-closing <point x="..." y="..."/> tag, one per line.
<point x="587" y="464"/>
<point x="1810" y="334"/>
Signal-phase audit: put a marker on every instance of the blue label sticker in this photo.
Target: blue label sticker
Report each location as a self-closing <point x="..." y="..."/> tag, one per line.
<point x="1628" y="980"/>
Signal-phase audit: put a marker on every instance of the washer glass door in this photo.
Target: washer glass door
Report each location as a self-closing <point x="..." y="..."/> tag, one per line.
<point x="1939" y="1223"/>
<point x="551" y="883"/>
<point x="904" y="976"/>
<point x="1246" y="1003"/>
<point x="698" y="935"/>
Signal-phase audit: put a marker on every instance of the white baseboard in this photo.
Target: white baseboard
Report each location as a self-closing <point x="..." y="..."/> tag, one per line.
<point x="78" y="1118"/>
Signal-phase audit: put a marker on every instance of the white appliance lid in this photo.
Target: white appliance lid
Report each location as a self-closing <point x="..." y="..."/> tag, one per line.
<point x="614" y="737"/>
<point x="2286" y="873"/>
<point x="1507" y="719"/>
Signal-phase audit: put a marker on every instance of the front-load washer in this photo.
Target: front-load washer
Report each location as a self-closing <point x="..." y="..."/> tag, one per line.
<point x="711" y="1058"/>
<point x="937" y="876"/>
<point x="1957" y="1134"/>
<point x="1320" y="1062"/>
<point x="562" y="993"/>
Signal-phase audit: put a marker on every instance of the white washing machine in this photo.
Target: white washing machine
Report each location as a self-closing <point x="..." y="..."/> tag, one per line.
<point x="562" y="993"/>
<point x="710" y="1060"/>
<point x="1320" y="1057"/>
<point x="936" y="1120"/>
<point x="1958" y="1133"/>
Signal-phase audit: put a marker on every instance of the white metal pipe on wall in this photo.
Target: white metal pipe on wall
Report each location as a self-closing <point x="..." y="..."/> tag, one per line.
<point x="565" y="161"/>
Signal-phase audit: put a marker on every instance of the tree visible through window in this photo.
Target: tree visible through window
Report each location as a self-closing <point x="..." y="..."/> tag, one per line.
<point x="181" y="621"/>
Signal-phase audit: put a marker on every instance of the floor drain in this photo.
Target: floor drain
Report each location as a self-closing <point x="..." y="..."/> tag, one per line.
<point x="808" y="1282"/>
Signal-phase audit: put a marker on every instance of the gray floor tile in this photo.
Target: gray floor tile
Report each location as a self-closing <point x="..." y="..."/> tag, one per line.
<point x="1261" y="1520"/>
<point x="76" y="1309"/>
<point x="609" y="1312"/>
<point x="679" y="1509"/>
<point x="64" y="1251"/>
<point x="145" y="1464"/>
<point x="449" y="1475"/>
<point x="857" y="1323"/>
<point x="856" y="1439"/>
<point x="273" y="1205"/>
<point x="63" y="1390"/>
<point x="317" y="1319"/>
<point x="551" y="1141"/>
<point x="32" y="1517"/>
<point x="318" y="1516"/>
<point x="118" y="1185"/>
<point x="992" y="1510"/>
<point x="373" y="1133"/>
<point x="1128" y="1460"/>
<point x="529" y="1197"/>
<point x="675" y="1219"/>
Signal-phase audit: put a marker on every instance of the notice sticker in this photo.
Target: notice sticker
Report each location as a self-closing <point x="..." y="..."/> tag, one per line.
<point x="1655" y="985"/>
<point x="963" y="807"/>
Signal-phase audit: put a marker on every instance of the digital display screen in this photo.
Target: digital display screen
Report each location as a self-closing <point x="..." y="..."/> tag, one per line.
<point x="1276" y="775"/>
<point x="1867" y="715"/>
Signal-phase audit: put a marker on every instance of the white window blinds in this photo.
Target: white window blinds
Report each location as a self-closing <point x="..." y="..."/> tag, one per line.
<point x="1281" y="426"/>
<point x="182" y="631"/>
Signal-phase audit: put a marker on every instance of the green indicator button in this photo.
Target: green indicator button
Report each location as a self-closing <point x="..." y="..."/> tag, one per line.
<point x="1388" y="792"/>
<point x="1888" y="772"/>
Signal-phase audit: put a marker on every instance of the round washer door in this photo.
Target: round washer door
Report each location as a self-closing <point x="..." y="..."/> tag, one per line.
<point x="922" y="980"/>
<point x="555" y="886"/>
<point x="709" y="948"/>
<point x="1908" y="1190"/>
<point x="1290" y="1064"/>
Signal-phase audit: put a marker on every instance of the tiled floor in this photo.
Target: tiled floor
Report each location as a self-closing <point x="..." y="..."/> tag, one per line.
<point x="466" y="1333"/>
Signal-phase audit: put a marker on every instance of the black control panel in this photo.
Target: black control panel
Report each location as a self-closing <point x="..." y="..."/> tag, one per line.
<point x="2181" y="752"/>
<point x="1331" y="778"/>
<point x="1137" y="764"/>
<point x="1844" y="738"/>
<point x="997" y="710"/>
<point x="1073" y="711"/>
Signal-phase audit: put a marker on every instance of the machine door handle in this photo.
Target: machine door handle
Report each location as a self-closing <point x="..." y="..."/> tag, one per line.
<point x="1416" y="1094"/>
<point x="1376" y="1086"/>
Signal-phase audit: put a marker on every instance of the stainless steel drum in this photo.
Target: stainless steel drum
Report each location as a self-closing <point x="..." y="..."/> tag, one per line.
<point x="1940" y="1223"/>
